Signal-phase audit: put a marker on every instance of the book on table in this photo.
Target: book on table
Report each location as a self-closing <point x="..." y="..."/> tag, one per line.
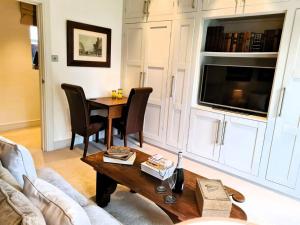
<point x="158" y="167"/>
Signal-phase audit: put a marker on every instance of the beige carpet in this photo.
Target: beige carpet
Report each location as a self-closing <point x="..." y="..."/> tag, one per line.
<point x="128" y="208"/>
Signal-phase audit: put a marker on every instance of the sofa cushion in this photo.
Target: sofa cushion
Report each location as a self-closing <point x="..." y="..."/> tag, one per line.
<point x="16" y="209"/>
<point x="94" y="212"/>
<point x="17" y="159"/>
<point x="58" y="181"/>
<point x="56" y="206"/>
<point x="8" y="178"/>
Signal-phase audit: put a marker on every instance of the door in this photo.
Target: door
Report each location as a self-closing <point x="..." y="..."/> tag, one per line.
<point x="158" y="37"/>
<point x="184" y="6"/>
<point x="181" y="63"/>
<point x="242" y="144"/>
<point x="257" y="2"/>
<point x="219" y="4"/>
<point x="133" y="42"/>
<point x="284" y="159"/>
<point x="205" y="134"/>
<point x="135" y="8"/>
<point x="160" y="7"/>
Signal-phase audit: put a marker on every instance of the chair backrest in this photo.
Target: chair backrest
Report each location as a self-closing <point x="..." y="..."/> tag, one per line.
<point x="78" y="107"/>
<point x="135" y="109"/>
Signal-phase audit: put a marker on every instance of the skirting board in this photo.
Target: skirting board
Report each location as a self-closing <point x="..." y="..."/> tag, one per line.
<point x="19" y="125"/>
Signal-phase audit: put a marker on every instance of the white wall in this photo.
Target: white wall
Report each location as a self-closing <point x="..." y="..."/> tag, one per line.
<point x="19" y="83"/>
<point x="95" y="81"/>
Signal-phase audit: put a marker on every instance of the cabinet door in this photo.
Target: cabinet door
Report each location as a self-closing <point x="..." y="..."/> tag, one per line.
<point x="242" y="144"/>
<point x="135" y="8"/>
<point x="184" y="6"/>
<point x="204" y="134"/>
<point x="181" y="63"/>
<point x="284" y="160"/>
<point x="160" y="7"/>
<point x="219" y="4"/>
<point x="133" y="55"/>
<point x="257" y="2"/>
<point x="155" y="76"/>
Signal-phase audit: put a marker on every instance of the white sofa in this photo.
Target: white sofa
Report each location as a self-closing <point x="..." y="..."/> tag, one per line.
<point x="17" y="160"/>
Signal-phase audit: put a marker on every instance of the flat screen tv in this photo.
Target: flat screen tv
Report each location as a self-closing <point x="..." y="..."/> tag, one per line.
<point x="240" y="88"/>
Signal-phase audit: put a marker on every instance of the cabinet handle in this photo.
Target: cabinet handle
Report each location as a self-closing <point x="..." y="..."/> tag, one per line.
<point x="193" y="4"/>
<point x="140" y="82"/>
<point x="224" y="133"/>
<point x="172" y="86"/>
<point x="144" y="78"/>
<point x="145" y="7"/>
<point x="236" y="5"/>
<point x="218" y="132"/>
<point x="148" y="4"/>
<point x="282" y="102"/>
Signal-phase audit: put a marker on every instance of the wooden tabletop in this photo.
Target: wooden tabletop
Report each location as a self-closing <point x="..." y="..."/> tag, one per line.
<point x="108" y="101"/>
<point x="131" y="176"/>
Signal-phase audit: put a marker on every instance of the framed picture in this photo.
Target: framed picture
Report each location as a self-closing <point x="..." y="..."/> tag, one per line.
<point x="88" y="45"/>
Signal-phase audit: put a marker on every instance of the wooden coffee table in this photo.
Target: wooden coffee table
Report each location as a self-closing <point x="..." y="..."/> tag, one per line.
<point x="109" y="175"/>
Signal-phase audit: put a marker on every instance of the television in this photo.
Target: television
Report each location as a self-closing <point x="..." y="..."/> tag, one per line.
<point x="240" y="88"/>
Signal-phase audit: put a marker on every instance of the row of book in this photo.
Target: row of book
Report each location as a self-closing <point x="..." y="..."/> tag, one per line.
<point x="218" y="41"/>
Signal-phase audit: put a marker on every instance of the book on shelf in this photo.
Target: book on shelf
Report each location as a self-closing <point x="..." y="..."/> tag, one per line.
<point x="158" y="167"/>
<point x="246" y="42"/>
<point x="272" y="40"/>
<point x="256" y="43"/>
<point x="214" y="39"/>
<point x="227" y="42"/>
<point x="234" y="42"/>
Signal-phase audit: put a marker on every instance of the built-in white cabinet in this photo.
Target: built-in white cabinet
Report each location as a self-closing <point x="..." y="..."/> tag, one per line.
<point x="284" y="159"/>
<point x="235" y="143"/>
<point x="181" y="59"/>
<point x="205" y="131"/>
<point x="185" y="6"/>
<point x="242" y="144"/>
<point x="146" y="62"/>
<point x="219" y="4"/>
<point x="160" y="7"/>
<point x="135" y="9"/>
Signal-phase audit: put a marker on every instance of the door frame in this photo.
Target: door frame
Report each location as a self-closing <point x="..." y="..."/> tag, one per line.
<point x="45" y="81"/>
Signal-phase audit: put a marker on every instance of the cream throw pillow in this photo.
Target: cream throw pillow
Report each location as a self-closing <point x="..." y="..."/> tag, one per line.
<point x="8" y="178"/>
<point x="56" y="206"/>
<point x="16" y="209"/>
<point x="17" y="159"/>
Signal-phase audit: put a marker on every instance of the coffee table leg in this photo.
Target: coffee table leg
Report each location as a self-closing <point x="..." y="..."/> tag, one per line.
<point x="105" y="186"/>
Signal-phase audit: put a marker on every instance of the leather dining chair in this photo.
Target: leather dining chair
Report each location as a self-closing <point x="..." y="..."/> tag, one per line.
<point x="132" y="120"/>
<point x="81" y="122"/>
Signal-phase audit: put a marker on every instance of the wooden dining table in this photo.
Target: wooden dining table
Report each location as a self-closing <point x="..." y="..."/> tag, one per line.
<point x="113" y="110"/>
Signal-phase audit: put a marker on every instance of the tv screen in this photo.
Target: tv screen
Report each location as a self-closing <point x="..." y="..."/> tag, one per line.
<point x="237" y="87"/>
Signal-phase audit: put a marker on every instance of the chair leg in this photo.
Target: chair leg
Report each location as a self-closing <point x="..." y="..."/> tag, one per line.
<point x="72" y="141"/>
<point x="141" y="138"/>
<point x="97" y="137"/>
<point x="86" y="145"/>
<point x="125" y="140"/>
<point x="112" y="137"/>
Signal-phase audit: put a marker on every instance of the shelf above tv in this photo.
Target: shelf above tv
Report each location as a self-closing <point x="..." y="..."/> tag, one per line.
<point x="241" y="54"/>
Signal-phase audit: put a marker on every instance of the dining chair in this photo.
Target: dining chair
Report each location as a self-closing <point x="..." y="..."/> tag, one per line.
<point x="132" y="120"/>
<point x="82" y="123"/>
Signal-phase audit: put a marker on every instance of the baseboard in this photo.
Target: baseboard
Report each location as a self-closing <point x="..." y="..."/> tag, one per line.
<point x="19" y="125"/>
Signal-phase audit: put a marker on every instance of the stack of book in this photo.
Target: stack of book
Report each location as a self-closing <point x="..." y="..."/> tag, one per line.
<point x="218" y="41"/>
<point x="119" y="155"/>
<point x="158" y="167"/>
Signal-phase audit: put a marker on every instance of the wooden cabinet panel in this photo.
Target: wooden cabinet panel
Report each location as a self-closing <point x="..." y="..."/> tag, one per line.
<point x="204" y="134"/>
<point x="135" y="8"/>
<point x="160" y="7"/>
<point x="219" y="4"/>
<point x="257" y="2"/>
<point x="133" y="45"/>
<point x="157" y="50"/>
<point x="242" y="144"/>
<point x="184" y="6"/>
<point x="178" y="79"/>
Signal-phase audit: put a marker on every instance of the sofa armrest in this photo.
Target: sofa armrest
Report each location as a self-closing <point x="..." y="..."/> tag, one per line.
<point x="58" y="181"/>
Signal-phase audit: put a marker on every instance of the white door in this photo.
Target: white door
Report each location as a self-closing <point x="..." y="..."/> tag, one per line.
<point x="133" y="55"/>
<point x="178" y="80"/>
<point x="257" y="2"/>
<point x="242" y="144"/>
<point x="160" y="7"/>
<point x="219" y="4"/>
<point x="205" y="134"/>
<point x="284" y="160"/>
<point x="157" y="51"/>
<point x="184" y="6"/>
<point x="135" y="8"/>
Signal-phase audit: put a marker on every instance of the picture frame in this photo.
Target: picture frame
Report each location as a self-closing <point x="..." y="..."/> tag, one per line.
<point x="88" y="45"/>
